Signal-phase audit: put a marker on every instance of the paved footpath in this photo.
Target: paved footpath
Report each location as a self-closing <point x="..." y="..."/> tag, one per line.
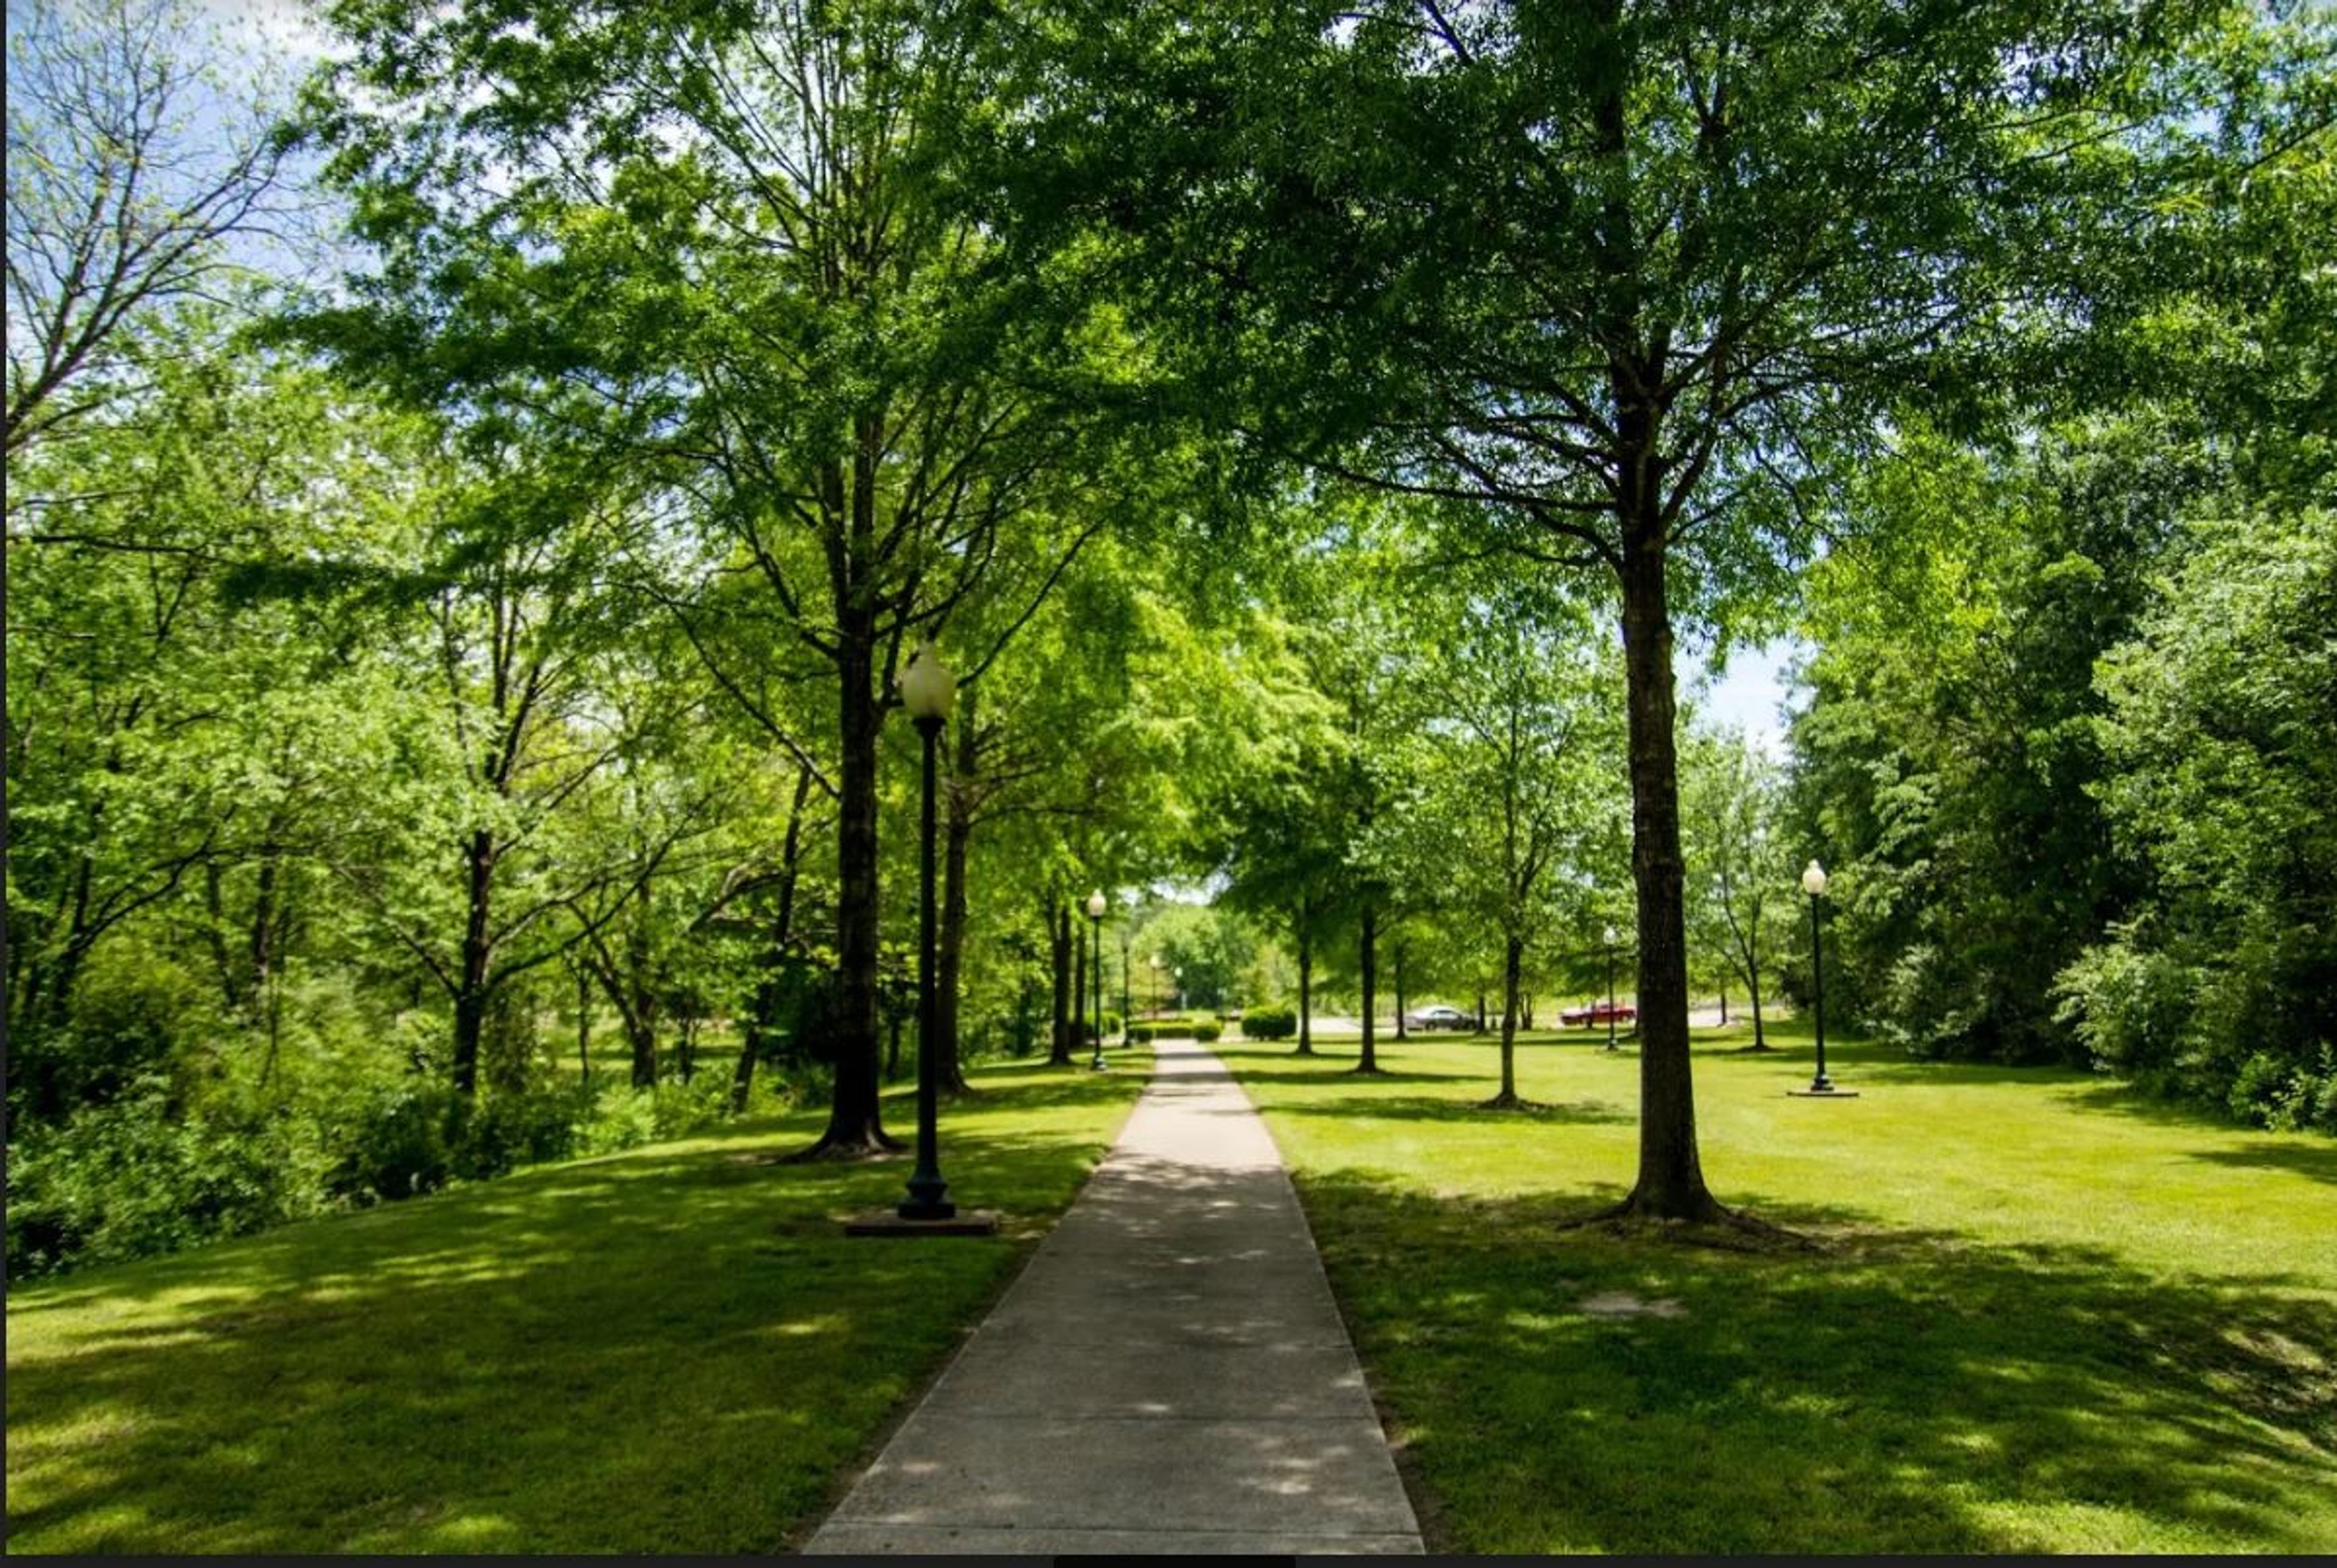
<point x="1168" y="1374"/>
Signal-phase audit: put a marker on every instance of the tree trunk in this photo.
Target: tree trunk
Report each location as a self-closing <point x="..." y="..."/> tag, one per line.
<point x="948" y="1065"/>
<point x="1368" y="956"/>
<point x="1305" y="984"/>
<point x="265" y="924"/>
<point x="1670" y="1184"/>
<point x="764" y="1017"/>
<point x="638" y="1004"/>
<point x="470" y="994"/>
<point x="1513" y="949"/>
<point x="1079" y="984"/>
<point x="1401" y="1031"/>
<point x="1752" y="981"/>
<point x="641" y="1040"/>
<point x="585" y="1026"/>
<point x="855" y="1126"/>
<point x="1059" y="949"/>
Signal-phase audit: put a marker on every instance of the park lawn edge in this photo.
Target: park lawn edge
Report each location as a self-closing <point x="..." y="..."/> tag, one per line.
<point x="587" y="1394"/>
<point x="2195" y="1333"/>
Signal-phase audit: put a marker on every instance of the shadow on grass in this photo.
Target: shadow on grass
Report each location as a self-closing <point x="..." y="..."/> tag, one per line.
<point x="671" y="1350"/>
<point x="1901" y="1392"/>
<point x="1470" y="1107"/>
<point x="1336" y="1071"/>
<point x="2317" y="1164"/>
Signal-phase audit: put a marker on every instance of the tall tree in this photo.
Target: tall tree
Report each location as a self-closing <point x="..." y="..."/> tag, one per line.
<point x="1629" y="276"/>
<point x="1740" y="872"/>
<point x="520" y="648"/>
<point x="718" y="244"/>
<point x="133" y="167"/>
<point x="1515" y="770"/>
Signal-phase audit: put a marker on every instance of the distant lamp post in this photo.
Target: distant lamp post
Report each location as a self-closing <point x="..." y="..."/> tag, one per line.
<point x="1095" y="915"/>
<point x="1152" y="997"/>
<point x="1179" y="976"/>
<point x="928" y="690"/>
<point x="1611" y="989"/>
<point x="1814" y="883"/>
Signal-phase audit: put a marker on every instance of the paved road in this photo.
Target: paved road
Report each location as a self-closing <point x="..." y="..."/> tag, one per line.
<point x="1168" y="1373"/>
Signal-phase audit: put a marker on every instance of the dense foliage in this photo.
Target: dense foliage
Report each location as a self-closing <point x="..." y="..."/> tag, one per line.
<point x="450" y="711"/>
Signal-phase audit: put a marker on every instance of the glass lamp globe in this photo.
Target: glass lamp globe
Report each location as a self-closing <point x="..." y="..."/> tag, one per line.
<point x="927" y="688"/>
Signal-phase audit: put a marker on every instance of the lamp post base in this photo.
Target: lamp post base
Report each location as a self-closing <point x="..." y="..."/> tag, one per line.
<point x="972" y="1222"/>
<point x="925" y="1200"/>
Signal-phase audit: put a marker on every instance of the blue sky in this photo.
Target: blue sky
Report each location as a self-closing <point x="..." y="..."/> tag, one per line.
<point x="1751" y="696"/>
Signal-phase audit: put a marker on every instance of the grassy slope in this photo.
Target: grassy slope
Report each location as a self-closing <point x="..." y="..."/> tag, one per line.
<point x="670" y="1351"/>
<point x="2046" y="1317"/>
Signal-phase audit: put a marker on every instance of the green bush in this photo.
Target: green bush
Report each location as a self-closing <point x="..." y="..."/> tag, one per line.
<point x="396" y="1142"/>
<point x="1204" y="1029"/>
<point x="511" y="1129"/>
<point x="621" y="1117"/>
<point x="143" y="1175"/>
<point x="127" y="1180"/>
<point x="1276" y="1023"/>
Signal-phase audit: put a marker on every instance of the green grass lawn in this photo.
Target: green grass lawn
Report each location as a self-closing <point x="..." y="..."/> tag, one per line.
<point x="670" y="1351"/>
<point x="2044" y="1316"/>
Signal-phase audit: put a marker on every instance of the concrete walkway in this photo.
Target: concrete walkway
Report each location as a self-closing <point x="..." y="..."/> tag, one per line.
<point x="1168" y="1373"/>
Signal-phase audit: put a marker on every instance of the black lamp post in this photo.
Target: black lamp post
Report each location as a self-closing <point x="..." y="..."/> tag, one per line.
<point x="1095" y="914"/>
<point x="927" y="691"/>
<point x="1611" y="989"/>
<point x="1814" y="883"/>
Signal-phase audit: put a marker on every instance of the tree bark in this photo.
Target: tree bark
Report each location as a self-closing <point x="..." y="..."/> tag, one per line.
<point x="1059" y="951"/>
<point x="855" y="1126"/>
<point x="764" y="1015"/>
<point x="1305" y="984"/>
<point x="1368" y="956"/>
<point x="638" y="1003"/>
<point x="1079" y="984"/>
<point x="1513" y="949"/>
<point x="585" y="1026"/>
<point x="1401" y="1033"/>
<point x="266" y="924"/>
<point x="1670" y="1184"/>
<point x="471" y="993"/>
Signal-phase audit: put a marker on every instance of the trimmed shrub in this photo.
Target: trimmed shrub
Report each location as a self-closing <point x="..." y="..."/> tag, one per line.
<point x="1204" y="1029"/>
<point x="1276" y="1023"/>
